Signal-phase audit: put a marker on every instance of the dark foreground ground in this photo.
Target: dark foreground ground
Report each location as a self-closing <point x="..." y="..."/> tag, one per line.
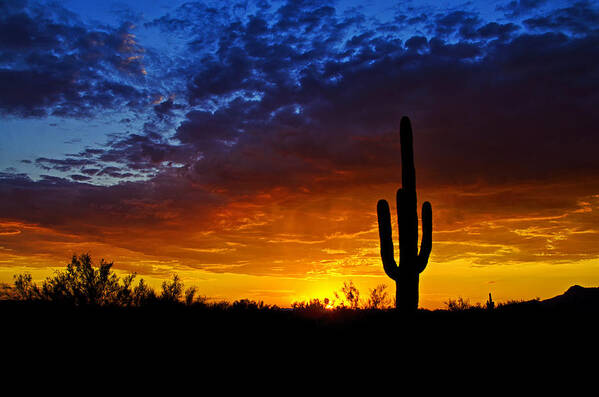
<point x="568" y="320"/>
<point x="558" y="333"/>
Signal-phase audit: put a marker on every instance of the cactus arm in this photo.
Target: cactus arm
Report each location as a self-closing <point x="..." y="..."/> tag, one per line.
<point x="387" y="255"/>
<point x="427" y="236"/>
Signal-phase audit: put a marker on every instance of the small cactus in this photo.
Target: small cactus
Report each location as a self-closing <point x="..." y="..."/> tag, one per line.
<point x="490" y="304"/>
<point x="411" y="263"/>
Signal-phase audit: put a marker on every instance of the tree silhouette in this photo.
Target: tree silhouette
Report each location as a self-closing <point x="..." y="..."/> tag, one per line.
<point x="411" y="263"/>
<point x="172" y="291"/>
<point x="25" y="288"/>
<point x="82" y="284"/>
<point x="79" y="284"/>
<point x="189" y="295"/>
<point x="143" y="294"/>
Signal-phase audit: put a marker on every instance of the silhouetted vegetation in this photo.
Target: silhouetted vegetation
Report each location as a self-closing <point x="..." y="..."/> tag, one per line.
<point x="351" y="294"/>
<point x="490" y="305"/>
<point x="461" y="304"/>
<point x="348" y="297"/>
<point x="86" y="309"/>
<point x="82" y="284"/>
<point x="378" y="298"/>
<point x="411" y="263"/>
<point x="313" y="305"/>
<point x="79" y="284"/>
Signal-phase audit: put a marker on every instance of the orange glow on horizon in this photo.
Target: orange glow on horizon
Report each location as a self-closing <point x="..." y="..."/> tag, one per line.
<point x="282" y="247"/>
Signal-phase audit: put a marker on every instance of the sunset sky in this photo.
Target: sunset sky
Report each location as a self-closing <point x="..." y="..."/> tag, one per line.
<point x="244" y="145"/>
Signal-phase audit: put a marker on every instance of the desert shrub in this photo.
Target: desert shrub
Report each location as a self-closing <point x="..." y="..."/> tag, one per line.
<point x="313" y="305"/>
<point x="220" y="305"/>
<point x="461" y="304"/>
<point x="379" y="298"/>
<point x="189" y="295"/>
<point x="516" y="302"/>
<point x="143" y="294"/>
<point x="172" y="291"/>
<point x="350" y="294"/>
<point x="456" y="305"/>
<point x="6" y="291"/>
<point x="82" y="283"/>
<point x="25" y="288"/>
<point x="246" y="304"/>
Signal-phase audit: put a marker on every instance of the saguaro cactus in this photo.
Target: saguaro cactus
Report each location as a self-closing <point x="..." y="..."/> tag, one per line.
<point x="411" y="263"/>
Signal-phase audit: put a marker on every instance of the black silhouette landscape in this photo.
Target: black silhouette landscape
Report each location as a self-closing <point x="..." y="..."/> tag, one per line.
<point x="118" y="314"/>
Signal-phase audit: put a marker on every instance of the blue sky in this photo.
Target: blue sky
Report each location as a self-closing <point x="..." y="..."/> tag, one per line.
<point x="164" y="50"/>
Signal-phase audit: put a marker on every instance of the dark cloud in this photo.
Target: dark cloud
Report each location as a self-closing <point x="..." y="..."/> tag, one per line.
<point x="80" y="178"/>
<point x="462" y="21"/>
<point x="49" y="66"/>
<point x="90" y="152"/>
<point x="517" y="8"/>
<point x="293" y="90"/>
<point x="115" y="172"/>
<point x="143" y="152"/>
<point x="581" y="17"/>
<point x="304" y="90"/>
<point x="140" y="217"/>
<point x="90" y="171"/>
<point x="63" y="165"/>
<point x="475" y="100"/>
<point x="166" y="109"/>
<point x="416" y="43"/>
<point x="496" y="30"/>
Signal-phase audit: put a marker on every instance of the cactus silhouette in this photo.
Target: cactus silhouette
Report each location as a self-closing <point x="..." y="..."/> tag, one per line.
<point x="411" y="263"/>
<point x="490" y="304"/>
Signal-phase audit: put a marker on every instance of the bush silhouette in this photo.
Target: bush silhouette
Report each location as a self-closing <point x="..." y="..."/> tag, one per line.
<point x="351" y="293"/>
<point x="247" y="304"/>
<point x="189" y="295"/>
<point x="313" y="305"/>
<point x="379" y="298"/>
<point x="25" y="289"/>
<point x="79" y="284"/>
<point x="172" y="291"/>
<point x="143" y="294"/>
<point x="458" y="305"/>
<point x="82" y="284"/>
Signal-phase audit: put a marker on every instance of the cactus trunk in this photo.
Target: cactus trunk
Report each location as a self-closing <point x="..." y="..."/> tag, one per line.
<point x="407" y="291"/>
<point x="411" y="263"/>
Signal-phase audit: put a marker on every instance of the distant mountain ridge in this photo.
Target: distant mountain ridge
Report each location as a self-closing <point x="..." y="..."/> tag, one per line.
<point x="576" y="297"/>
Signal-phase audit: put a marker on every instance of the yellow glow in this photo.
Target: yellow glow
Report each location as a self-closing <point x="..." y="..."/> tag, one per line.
<point x="282" y="246"/>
